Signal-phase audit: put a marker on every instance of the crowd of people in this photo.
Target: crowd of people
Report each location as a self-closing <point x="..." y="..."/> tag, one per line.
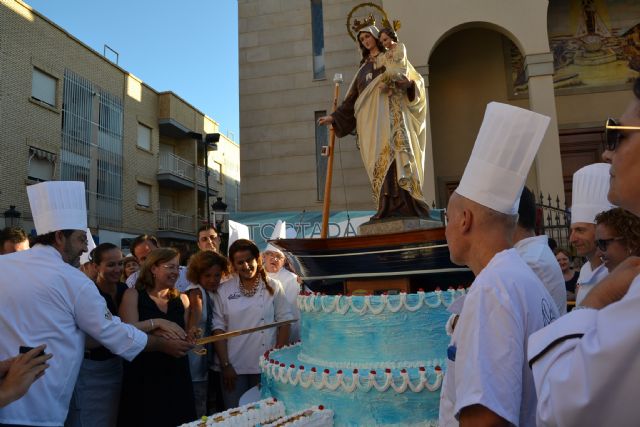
<point x="137" y="351"/>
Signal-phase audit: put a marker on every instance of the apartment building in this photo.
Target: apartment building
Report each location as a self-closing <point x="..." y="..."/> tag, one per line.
<point x="68" y="113"/>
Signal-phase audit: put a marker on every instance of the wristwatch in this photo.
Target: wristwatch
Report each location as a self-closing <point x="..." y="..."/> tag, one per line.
<point x="225" y="364"/>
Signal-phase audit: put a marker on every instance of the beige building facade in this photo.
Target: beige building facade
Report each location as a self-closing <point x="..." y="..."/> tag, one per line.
<point x="66" y="112"/>
<point x="459" y="48"/>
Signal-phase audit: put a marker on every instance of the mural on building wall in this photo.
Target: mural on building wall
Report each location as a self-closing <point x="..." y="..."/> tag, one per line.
<point x="595" y="46"/>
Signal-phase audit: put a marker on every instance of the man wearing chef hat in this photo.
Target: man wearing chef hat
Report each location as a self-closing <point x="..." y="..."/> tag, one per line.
<point x="56" y="304"/>
<point x="487" y="379"/>
<point x="588" y="199"/>
<point x="586" y="365"/>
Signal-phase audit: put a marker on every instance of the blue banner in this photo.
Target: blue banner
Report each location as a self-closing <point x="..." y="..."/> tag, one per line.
<point x="306" y="224"/>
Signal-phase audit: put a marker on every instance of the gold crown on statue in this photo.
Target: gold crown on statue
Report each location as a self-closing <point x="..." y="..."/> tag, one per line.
<point x="358" y="25"/>
<point x="395" y="26"/>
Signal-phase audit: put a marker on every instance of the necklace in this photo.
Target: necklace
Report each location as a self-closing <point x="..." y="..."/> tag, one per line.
<point x="248" y="292"/>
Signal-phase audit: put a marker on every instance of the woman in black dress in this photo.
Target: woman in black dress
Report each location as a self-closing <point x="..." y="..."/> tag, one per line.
<point x="156" y="389"/>
<point x="570" y="275"/>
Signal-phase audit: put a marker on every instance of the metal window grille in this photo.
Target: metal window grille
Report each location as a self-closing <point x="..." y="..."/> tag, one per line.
<point x="92" y="138"/>
<point x="553" y="220"/>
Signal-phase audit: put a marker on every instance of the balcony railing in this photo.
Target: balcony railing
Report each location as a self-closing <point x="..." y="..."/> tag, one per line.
<point x="176" y="165"/>
<point x="174" y="221"/>
<point x="213" y="178"/>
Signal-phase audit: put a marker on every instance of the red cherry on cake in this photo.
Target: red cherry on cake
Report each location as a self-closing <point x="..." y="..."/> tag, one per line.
<point x="282" y="365"/>
<point x="421" y="369"/>
<point x="339" y="372"/>
<point x="326" y="371"/>
<point x="292" y="366"/>
<point x="388" y="371"/>
<point x="403" y="371"/>
<point x="313" y="369"/>
<point x="373" y="372"/>
<point x="321" y="407"/>
<point x="301" y="368"/>
<point x="355" y="371"/>
<point x="438" y="368"/>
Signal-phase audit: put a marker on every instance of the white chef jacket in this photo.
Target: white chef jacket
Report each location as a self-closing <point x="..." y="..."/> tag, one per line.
<point x="505" y="304"/>
<point x="234" y="311"/>
<point x="289" y="282"/>
<point x="535" y="251"/>
<point x="586" y="366"/>
<point x="588" y="278"/>
<point x="181" y="284"/>
<point x="47" y="301"/>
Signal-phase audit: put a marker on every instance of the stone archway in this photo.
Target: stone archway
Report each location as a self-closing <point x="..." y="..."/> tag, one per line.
<point x="467" y="69"/>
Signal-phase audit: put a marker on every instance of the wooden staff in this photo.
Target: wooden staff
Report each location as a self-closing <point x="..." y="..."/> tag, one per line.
<point x="337" y="79"/>
<point x="227" y="335"/>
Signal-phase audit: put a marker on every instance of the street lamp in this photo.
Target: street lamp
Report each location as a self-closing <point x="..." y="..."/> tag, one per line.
<point x="12" y="217"/>
<point x="219" y="207"/>
<point x="210" y="144"/>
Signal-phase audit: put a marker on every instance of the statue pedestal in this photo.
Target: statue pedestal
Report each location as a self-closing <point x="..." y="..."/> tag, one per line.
<point x="396" y="225"/>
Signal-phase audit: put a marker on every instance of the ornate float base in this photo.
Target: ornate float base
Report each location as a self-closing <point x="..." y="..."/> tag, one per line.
<point x="396" y="225"/>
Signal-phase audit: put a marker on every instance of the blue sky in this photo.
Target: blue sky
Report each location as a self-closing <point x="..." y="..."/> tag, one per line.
<point x="188" y="46"/>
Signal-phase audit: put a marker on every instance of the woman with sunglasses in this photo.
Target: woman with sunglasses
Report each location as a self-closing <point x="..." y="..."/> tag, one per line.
<point x="617" y="236"/>
<point x="247" y="299"/>
<point x="156" y="389"/>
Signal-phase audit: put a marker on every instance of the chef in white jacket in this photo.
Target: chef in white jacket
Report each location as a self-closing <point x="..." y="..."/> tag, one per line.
<point x="46" y="299"/>
<point x="487" y="381"/>
<point x="586" y="365"/>
<point x="588" y="199"/>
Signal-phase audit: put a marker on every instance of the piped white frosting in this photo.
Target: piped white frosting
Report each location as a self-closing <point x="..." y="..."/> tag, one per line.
<point x="342" y="304"/>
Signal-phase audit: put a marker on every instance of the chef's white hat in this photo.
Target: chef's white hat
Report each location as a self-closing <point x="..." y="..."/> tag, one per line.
<point x="91" y="245"/>
<point x="279" y="232"/>
<point x="237" y="231"/>
<point x="58" y="205"/>
<point x="589" y="193"/>
<point x="508" y="141"/>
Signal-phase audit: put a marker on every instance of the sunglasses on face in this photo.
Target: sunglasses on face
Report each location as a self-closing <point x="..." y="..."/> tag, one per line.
<point x="603" y="244"/>
<point x="613" y="135"/>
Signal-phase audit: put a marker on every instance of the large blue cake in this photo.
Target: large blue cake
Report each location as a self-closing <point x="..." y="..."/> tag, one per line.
<point x="373" y="360"/>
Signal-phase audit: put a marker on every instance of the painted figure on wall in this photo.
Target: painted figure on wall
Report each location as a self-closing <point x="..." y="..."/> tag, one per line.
<point x="593" y="45"/>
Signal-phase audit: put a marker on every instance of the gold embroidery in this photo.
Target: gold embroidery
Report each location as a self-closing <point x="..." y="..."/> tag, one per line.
<point x="401" y="144"/>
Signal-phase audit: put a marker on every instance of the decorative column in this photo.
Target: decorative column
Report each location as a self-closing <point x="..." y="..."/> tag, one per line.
<point x="429" y="184"/>
<point x="548" y="163"/>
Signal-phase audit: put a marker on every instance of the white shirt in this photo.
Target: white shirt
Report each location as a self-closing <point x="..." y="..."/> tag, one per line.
<point x="47" y="301"/>
<point x="505" y="304"/>
<point x="588" y="278"/>
<point x="586" y="367"/>
<point x="182" y="284"/>
<point x="234" y="311"/>
<point x="535" y="251"/>
<point x="289" y="282"/>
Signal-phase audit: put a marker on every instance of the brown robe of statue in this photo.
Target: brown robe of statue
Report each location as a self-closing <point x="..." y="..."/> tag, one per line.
<point x="394" y="201"/>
